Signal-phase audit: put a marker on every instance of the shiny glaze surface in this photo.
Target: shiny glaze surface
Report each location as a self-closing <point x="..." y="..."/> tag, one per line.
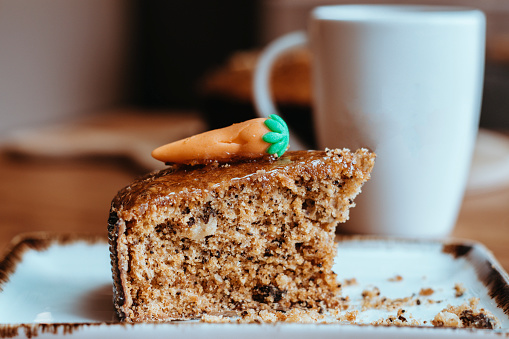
<point x="165" y="184"/>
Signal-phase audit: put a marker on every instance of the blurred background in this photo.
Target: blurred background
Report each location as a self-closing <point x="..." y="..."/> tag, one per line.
<point x="89" y="87"/>
<point x="61" y="58"/>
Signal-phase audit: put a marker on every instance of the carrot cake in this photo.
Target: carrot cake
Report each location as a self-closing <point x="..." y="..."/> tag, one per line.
<point x="217" y="238"/>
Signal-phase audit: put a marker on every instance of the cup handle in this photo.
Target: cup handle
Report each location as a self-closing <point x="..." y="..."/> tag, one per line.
<point x="263" y="101"/>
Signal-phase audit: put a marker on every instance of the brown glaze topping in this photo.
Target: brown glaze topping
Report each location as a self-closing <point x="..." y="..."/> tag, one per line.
<point x="161" y="187"/>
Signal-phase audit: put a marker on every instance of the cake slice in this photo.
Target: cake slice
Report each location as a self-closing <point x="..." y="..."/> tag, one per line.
<point x="218" y="239"/>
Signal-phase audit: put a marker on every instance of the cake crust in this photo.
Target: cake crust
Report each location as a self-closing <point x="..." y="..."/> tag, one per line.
<point x="220" y="239"/>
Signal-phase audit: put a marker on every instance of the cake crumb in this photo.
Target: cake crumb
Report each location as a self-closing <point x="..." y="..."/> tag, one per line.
<point x="302" y="316"/>
<point x="371" y="299"/>
<point x="426" y="291"/>
<point x="473" y="302"/>
<point x="270" y="316"/>
<point x="350" y="282"/>
<point x="349" y="317"/>
<point x="296" y="315"/>
<point x="400" y="319"/>
<point x="370" y="294"/>
<point x="446" y="319"/>
<point x="466" y="316"/>
<point x="459" y="290"/>
<point x="218" y="319"/>
<point x="396" y="278"/>
<point x="431" y="301"/>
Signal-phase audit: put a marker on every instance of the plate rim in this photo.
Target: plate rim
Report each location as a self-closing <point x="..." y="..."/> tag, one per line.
<point x="40" y="241"/>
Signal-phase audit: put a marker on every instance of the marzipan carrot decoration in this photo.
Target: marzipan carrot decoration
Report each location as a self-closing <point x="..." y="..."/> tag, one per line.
<point x="246" y="140"/>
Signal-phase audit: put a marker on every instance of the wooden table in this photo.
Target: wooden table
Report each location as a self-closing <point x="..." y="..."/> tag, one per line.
<point x="73" y="196"/>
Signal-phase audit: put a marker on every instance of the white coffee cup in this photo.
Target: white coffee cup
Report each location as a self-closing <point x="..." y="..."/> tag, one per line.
<point x="404" y="81"/>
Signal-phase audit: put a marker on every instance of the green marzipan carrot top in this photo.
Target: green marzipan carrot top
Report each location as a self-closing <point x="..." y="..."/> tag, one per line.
<point x="279" y="136"/>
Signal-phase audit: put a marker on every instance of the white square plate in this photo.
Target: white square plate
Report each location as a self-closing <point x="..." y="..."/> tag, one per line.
<point x="62" y="286"/>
